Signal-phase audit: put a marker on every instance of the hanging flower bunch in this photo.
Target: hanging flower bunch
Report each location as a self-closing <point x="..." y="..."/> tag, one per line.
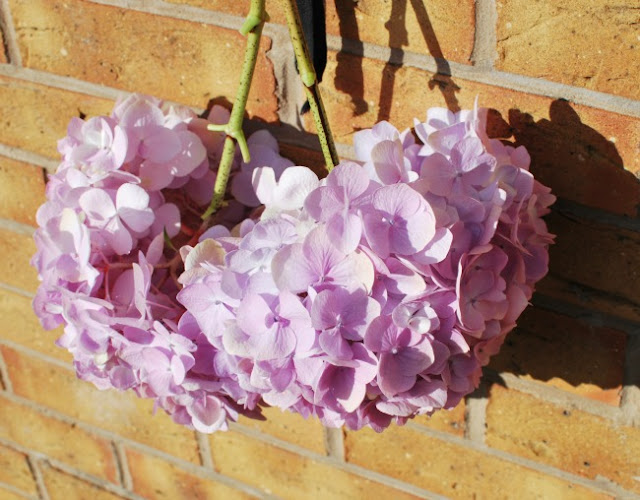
<point x="128" y="185"/>
<point x="368" y="297"/>
<point x="376" y="294"/>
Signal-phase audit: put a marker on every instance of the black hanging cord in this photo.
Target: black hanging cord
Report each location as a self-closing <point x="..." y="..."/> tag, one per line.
<point x="312" y="16"/>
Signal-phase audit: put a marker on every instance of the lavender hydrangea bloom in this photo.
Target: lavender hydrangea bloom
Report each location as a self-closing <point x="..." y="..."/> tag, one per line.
<point x="406" y="269"/>
<point x="125" y="182"/>
<point x="364" y="299"/>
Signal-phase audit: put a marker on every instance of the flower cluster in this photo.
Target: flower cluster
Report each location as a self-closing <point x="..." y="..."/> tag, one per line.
<point x="369" y="297"/>
<point x="378" y="293"/>
<point x="130" y="186"/>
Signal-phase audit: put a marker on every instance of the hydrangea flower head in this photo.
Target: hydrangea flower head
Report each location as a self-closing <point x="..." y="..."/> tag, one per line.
<point x="379" y="293"/>
<point x="125" y="184"/>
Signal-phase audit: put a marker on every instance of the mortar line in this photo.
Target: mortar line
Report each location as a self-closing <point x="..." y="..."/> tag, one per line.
<point x="586" y="315"/>
<point x="16" y="491"/>
<point x="122" y="472"/>
<point x="182" y="12"/>
<point x="603" y="485"/>
<point x="334" y="443"/>
<point x="95" y="481"/>
<point x="201" y="472"/>
<point x="630" y="398"/>
<point x="564" y="206"/>
<point x="554" y="396"/>
<point x="344" y="466"/>
<point x="17" y="227"/>
<point x="28" y="157"/>
<point x="9" y="32"/>
<point x="16" y="290"/>
<point x="36" y="354"/>
<point x="484" y="51"/>
<point x="34" y="467"/>
<point x="5" y="381"/>
<point x="499" y="79"/>
<point x="124" y="441"/>
<point x="204" y="449"/>
<point x="191" y="468"/>
<point x="475" y="414"/>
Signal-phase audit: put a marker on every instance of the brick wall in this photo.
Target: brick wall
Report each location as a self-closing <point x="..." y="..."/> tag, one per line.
<point x="558" y="413"/>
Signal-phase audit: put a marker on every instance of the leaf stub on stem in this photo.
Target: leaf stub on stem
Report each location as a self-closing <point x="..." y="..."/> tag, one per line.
<point x="252" y="28"/>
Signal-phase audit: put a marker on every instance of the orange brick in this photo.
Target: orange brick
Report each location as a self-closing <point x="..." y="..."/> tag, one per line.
<point x="590" y="299"/>
<point x="290" y="427"/>
<point x="451" y="421"/>
<point x="20" y="325"/>
<point x="423" y="27"/>
<point x="611" y="264"/>
<point x="569" y="439"/>
<point x="34" y="116"/>
<point x="572" y="146"/>
<point x="122" y="413"/>
<point x="545" y="346"/>
<point x="14" y="470"/>
<point x="174" y="59"/>
<point x="156" y="478"/>
<point x="21" y="190"/>
<point x="62" y="486"/>
<point x="452" y="470"/>
<point x="57" y="439"/>
<point x="3" y="52"/>
<point x="287" y="474"/>
<point x="426" y="28"/>
<point x="577" y="42"/>
<point x="16" y="250"/>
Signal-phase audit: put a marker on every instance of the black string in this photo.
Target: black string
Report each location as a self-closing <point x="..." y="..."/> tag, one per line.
<point x="312" y="17"/>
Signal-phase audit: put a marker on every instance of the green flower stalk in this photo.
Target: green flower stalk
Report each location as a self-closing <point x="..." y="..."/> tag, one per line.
<point x="252" y="28"/>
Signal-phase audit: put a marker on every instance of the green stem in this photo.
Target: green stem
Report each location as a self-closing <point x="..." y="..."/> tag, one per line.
<point x="308" y="77"/>
<point x="252" y="28"/>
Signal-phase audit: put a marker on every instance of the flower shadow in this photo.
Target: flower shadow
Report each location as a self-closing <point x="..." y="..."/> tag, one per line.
<point x="349" y="76"/>
<point x="569" y="339"/>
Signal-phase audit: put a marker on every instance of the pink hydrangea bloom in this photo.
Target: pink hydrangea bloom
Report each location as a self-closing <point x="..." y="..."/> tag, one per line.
<point x="379" y="293"/>
<point x="125" y="182"/>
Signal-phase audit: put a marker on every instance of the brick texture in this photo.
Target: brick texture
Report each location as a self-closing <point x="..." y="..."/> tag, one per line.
<point x="543" y="348"/>
<point x="57" y="439"/>
<point x="566" y="438"/>
<point x="35" y="116"/>
<point x="21" y="326"/>
<point x="9" y="495"/>
<point x="140" y="52"/>
<point x="547" y="40"/>
<point x="16" y="250"/>
<point x="424" y="28"/>
<point x="451" y="421"/>
<point x="287" y="474"/>
<point x="15" y="471"/>
<point x="155" y="478"/>
<point x="451" y="469"/>
<point x="290" y="427"/>
<point x="585" y="154"/>
<point x="122" y="413"/>
<point x="588" y="298"/>
<point x="3" y="52"/>
<point x="21" y="190"/>
<point x="612" y="263"/>
<point x="577" y="343"/>
<point x="61" y="486"/>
